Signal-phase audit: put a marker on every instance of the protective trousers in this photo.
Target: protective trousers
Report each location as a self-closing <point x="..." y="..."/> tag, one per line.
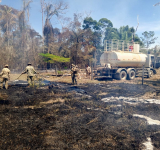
<point x="6" y="83"/>
<point x="74" y="80"/>
<point x="30" y="80"/>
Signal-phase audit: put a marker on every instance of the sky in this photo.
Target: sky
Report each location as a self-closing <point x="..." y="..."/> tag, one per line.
<point x="119" y="12"/>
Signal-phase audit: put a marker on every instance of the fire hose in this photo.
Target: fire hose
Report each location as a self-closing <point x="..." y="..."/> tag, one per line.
<point x="41" y="77"/>
<point x="18" y="76"/>
<point x="54" y="80"/>
<point x="61" y="77"/>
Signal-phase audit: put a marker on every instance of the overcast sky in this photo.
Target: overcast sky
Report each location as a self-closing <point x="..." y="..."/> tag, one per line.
<point x="119" y="12"/>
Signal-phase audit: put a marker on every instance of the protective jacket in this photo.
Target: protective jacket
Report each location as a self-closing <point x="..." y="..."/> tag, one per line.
<point x="30" y="71"/>
<point x="74" y="70"/>
<point x="5" y="73"/>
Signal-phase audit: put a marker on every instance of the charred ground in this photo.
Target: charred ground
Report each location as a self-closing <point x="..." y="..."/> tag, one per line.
<point x="74" y="117"/>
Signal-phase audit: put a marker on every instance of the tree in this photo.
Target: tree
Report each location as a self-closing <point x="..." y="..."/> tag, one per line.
<point x="105" y="23"/>
<point x="97" y="29"/>
<point x="94" y="35"/>
<point x="8" y="21"/>
<point x="54" y="58"/>
<point x="89" y="23"/>
<point x="50" y="58"/>
<point x="51" y="10"/>
<point x="148" y="38"/>
<point x="23" y="27"/>
<point x="42" y="11"/>
<point x="23" y="14"/>
<point x="76" y="38"/>
<point x="111" y="33"/>
<point x="123" y="33"/>
<point x="18" y="42"/>
<point x="93" y="24"/>
<point x="48" y="29"/>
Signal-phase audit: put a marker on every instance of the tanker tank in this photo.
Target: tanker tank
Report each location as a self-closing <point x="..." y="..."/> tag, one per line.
<point x="123" y="59"/>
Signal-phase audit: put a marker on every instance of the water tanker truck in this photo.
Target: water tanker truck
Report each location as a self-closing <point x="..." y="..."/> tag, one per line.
<point x="122" y="60"/>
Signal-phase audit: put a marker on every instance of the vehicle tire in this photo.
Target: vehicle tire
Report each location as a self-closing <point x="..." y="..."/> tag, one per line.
<point x="122" y="75"/>
<point x="131" y="75"/>
<point x="150" y="74"/>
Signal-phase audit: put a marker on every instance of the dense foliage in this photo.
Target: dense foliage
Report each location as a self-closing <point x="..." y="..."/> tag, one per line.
<point x="53" y="58"/>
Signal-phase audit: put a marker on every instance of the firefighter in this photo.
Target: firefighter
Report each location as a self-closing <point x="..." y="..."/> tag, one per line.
<point x="30" y="74"/>
<point x="5" y="76"/>
<point x="74" y="71"/>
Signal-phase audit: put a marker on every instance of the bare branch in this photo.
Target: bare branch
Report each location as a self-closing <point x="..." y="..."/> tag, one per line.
<point x="137" y="23"/>
<point x="64" y="21"/>
<point x="87" y="14"/>
<point x="157" y="4"/>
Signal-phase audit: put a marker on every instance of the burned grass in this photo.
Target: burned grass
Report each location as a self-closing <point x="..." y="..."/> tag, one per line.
<point x="62" y="120"/>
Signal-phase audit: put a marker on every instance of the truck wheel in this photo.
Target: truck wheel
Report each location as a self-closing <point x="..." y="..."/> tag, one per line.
<point x="150" y="74"/>
<point x="122" y="75"/>
<point x="131" y="75"/>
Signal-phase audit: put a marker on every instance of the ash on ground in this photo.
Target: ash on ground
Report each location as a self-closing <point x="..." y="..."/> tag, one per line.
<point x="69" y="117"/>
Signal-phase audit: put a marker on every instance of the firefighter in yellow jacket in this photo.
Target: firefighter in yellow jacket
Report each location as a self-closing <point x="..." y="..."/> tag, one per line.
<point x="5" y="76"/>
<point x="74" y="71"/>
<point x="30" y="73"/>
